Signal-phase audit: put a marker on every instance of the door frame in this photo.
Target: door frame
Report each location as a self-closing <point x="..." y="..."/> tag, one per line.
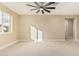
<point x="74" y="28"/>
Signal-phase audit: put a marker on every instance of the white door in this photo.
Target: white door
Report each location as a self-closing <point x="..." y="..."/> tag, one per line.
<point x="36" y="34"/>
<point x="33" y="33"/>
<point x="40" y="34"/>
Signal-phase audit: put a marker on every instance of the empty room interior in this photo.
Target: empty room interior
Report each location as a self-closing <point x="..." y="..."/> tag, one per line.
<point x="39" y="28"/>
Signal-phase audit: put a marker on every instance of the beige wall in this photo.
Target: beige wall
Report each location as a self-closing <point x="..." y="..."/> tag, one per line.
<point x="53" y="27"/>
<point x="9" y="37"/>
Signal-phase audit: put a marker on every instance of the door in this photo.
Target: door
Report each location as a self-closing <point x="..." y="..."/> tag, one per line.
<point x="36" y="34"/>
<point x="40" y="36"/>
<point x="69" y="29"/>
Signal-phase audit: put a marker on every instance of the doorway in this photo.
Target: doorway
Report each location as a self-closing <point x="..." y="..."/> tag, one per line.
<point x="69" y="29"/>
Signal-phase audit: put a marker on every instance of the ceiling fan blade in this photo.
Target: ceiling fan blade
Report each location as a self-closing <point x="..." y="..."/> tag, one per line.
<point x="49" y="3"/>
<point x="50" y="7"/>
<point x="38" y="11"/>
<point x="46" y="10"/>
<point x="33" y="9"/>
<point x="36" y="3"/>
<point x="42" y="12"/>
<point x="31" y="5"/>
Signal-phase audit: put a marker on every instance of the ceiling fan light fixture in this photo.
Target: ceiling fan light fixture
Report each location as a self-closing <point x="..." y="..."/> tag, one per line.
<point x="43" y="8"/>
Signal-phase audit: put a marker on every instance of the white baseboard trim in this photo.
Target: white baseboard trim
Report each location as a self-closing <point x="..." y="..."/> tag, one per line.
<point x="54" y="40"/>
<point x="24" y="40"/>
<point x="9" y="44"/>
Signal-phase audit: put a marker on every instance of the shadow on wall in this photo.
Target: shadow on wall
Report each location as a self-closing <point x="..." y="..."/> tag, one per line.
<point x="36" y="34"/>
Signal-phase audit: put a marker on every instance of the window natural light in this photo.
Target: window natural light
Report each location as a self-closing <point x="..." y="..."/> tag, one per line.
<point x="5" y="22"/>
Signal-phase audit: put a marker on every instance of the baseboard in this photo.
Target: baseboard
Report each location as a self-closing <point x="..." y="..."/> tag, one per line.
<point x="9" y="44"/>
<point x="24" y="40"/>
<point x="54" y="40"/>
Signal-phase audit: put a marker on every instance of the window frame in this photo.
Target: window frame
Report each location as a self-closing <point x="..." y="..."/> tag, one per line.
<point x="10" y="27"/>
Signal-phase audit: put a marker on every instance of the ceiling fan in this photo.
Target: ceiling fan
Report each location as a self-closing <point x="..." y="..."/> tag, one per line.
<point x="42" y="7"/>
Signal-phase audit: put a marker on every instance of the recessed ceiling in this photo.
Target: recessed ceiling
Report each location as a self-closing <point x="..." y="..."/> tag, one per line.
<point x="62" y="8"/>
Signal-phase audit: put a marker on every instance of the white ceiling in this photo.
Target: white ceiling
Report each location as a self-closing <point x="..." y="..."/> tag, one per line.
<point x="62" y="8"/>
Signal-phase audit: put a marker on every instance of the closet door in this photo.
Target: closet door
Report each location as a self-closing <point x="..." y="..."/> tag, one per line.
<point x="34" y="33"/>
<point x="40" y="35"/>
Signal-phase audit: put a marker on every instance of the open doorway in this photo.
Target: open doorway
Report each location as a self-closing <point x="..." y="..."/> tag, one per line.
<point x="70" y="29"/>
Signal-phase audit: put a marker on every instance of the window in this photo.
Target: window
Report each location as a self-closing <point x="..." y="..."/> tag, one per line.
<point x="36" y="34"/>
<point x="33" y="33"/>
<point x="5" y="22"/>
